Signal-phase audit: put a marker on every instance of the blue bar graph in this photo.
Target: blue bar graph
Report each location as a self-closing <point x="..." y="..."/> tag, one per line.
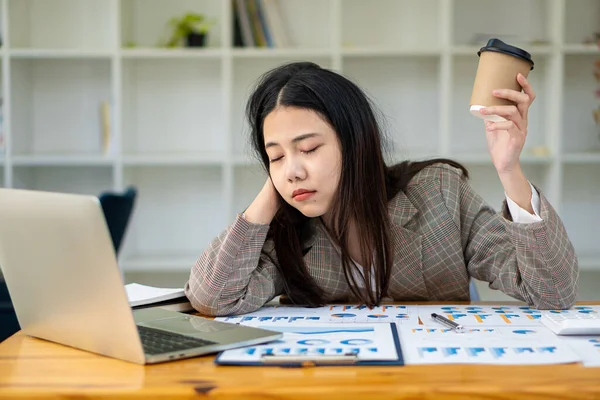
<point x="521" y="350"/>
<point x="547" y="349"/>
<point x="474" y="351"/>
<point x="450" y="351"/>
<point x="424" y="350"/>
<point x="498" y="352"/>
<point x="456" y="316"/>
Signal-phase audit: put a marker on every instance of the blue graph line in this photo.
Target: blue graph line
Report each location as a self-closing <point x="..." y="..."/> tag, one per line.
<point x="356" y="342"/>
<point x="316" y="330"/>
<point x="312" y="342"/>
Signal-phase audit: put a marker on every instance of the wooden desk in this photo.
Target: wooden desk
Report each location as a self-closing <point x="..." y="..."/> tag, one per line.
<point x="32" y="368"/>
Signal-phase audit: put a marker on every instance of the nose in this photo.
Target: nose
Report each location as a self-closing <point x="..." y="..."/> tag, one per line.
<point x="295" y="171"/>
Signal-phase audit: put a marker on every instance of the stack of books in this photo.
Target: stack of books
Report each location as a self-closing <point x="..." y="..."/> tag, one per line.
<point x="258" y="23"/>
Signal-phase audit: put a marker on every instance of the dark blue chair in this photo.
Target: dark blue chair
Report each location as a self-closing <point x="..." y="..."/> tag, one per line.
<point x="473" y="291"/>
<point x="117" y="208"/>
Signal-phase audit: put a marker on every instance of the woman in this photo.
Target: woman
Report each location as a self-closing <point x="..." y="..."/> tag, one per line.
<point x="334" y="223"/>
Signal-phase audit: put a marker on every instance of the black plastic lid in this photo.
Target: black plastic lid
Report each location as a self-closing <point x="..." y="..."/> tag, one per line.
<point x="501" y="47"/>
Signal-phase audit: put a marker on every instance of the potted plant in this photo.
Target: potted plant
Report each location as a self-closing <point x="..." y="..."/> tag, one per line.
<point x="191" y="28"/>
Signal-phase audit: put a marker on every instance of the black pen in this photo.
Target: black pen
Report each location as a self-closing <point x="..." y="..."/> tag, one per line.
<point x="450" y="324"/>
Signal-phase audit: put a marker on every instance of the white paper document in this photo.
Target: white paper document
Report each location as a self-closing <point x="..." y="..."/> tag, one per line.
<point x="368" y="342"/>
<point x="477" y="316"/>
<point x="588" y="348"/>
<point x="284" y="314"/>
<point x="491" y="345"/>
<point x="138" y="294"/>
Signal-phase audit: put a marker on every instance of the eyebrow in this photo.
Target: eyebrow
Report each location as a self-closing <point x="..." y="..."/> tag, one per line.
<point x="294" y="140"/>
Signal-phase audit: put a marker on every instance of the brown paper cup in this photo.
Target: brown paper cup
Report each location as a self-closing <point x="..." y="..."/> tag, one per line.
<point x="497" y="69"/>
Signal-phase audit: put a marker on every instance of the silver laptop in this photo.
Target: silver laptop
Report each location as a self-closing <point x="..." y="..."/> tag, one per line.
<point x="62" y="275"/>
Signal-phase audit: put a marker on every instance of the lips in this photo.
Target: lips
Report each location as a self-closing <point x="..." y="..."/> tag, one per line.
<point x="299" y="192"/>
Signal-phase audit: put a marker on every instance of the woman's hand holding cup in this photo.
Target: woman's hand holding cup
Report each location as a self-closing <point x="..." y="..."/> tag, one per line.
<point x="506" y="139"/>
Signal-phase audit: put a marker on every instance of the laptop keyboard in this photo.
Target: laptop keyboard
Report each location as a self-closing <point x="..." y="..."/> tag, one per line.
<point x="156" y="341"/>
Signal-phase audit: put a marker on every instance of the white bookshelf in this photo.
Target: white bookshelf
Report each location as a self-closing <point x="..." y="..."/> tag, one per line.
<point x="178" y="127"/>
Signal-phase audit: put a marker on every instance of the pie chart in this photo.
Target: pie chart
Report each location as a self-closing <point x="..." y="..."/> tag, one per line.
<point x="376" y="316"/>
<point x="523" y="331"/>
<point x="343" y="315"/>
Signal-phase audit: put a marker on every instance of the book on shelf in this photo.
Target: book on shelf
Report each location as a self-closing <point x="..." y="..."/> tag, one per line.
<point x="144" y="296"/>
<point x="258" y="23"/>
<point x="2" y="140"/>
<point x="106" y="118"/>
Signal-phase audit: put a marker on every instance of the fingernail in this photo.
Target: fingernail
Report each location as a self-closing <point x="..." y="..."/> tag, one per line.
<point x="496" y="92"/>
<point x="482" y="110"/>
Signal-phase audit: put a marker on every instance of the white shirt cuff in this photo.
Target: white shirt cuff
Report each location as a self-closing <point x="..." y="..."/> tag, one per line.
<point x="522" y="216"/>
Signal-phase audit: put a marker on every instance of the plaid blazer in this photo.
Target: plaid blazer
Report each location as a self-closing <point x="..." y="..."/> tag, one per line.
<point x="442" y="233"/>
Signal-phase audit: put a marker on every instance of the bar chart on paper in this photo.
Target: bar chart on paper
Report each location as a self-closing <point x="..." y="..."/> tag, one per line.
<point x="500" y="345"/>
<point x="588" y="347"/>
<point x="400" y="314"/>
<point x="494" y="315"/>
<point x="366" y="342"/>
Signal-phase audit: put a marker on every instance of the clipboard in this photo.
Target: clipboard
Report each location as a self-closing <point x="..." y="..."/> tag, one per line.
<point x="348" y="358"/>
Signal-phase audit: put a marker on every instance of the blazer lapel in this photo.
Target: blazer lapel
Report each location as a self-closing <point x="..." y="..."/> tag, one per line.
<point x="324" y="263"/>
<point x="406" y="281"/>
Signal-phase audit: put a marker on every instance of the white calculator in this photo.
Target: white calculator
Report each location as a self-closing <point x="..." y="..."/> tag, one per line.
<point x="571" y="323"/>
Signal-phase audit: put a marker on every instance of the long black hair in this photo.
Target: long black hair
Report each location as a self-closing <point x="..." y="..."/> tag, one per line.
<point x="366" y="183"/>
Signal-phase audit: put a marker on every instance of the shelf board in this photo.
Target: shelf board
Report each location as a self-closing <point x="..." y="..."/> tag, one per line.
<point x="159" y="262"/>
<point x="62" y="160"/>
<point x="472" y="50"/>
<point x="161" y="53"/>
<point x="279" y="53"/>
<point x="581" y="49"/>
<point x="149" y="160"/>
<point x="581" y="158"/>
<point x="389" y="52"/>
<point x="77" y="54"/>
<point x="589" y="261"/>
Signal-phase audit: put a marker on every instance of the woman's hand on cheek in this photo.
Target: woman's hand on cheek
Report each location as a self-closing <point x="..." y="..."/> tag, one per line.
<point x="264" y="207"/>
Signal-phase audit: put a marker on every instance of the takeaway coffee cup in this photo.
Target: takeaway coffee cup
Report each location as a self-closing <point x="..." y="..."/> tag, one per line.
<point x="499" y="65"/>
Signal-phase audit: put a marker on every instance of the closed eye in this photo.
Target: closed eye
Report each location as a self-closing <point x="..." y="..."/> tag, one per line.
<point x="310" y="151"/>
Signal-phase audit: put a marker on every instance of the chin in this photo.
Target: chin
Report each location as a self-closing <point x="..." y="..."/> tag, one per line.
<point x="311" y="211"/>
